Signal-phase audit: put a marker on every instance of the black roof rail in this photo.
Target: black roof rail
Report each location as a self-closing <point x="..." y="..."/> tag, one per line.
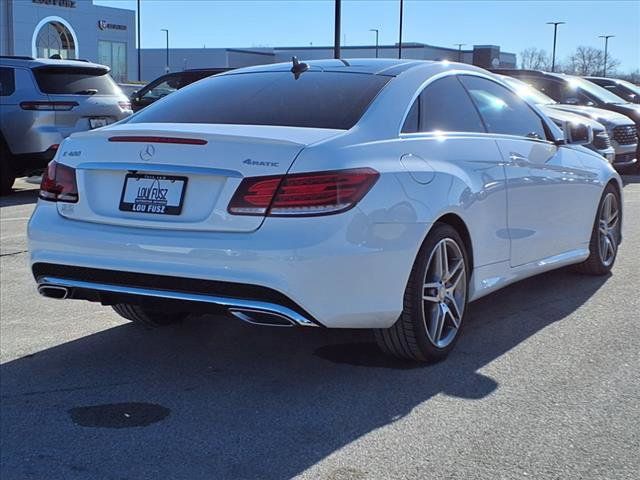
<point x="17" y="57"/>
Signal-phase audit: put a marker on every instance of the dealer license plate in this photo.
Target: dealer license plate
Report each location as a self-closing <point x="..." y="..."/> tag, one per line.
<point x="157" y="194"/>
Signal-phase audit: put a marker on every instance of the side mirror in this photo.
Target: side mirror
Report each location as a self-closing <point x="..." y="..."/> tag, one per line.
<point x="577" y="133"/>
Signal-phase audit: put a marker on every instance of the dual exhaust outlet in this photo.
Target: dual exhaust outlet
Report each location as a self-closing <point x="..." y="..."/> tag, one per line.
<point x="250" y="311"/>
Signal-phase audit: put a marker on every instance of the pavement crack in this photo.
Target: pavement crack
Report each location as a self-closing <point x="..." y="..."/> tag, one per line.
<point x="62" y="390"/>
<point x="13" y="253"/>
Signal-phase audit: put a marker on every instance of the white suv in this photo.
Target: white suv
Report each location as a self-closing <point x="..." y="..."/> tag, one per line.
<point x="43" y="101"/>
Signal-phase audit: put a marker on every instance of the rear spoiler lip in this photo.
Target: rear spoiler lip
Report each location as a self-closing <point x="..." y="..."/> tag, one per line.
<point x="93" y="68"/>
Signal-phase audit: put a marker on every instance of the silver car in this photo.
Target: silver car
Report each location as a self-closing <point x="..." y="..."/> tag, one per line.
<point x="43" y="101"/>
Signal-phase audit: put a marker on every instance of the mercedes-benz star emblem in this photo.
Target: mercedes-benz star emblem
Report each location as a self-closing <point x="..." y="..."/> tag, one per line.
<point x="147" y="152"/>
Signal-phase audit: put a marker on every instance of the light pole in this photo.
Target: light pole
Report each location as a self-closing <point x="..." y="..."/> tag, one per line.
<point x="400" y="34"/>
<point x="460" y="45"/>
<point x="167" y="62"/>
<point x="139" y="46"/>
<point x="377" y="32"/>
<point x="555" y="36"/>
<point x="336" y="30"/>
<point x="606" y="45"/>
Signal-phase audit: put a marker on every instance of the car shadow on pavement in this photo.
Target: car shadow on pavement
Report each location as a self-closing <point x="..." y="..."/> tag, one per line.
<point x="227" y="400"/>
<point x="19" y="197"/>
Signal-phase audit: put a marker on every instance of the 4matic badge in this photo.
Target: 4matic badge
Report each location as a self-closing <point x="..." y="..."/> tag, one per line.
<point x="255" y="163"/>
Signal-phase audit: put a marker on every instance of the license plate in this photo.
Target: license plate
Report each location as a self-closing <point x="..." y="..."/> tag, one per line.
<point x="157" y="194"/>
<point x="98" y="122"/>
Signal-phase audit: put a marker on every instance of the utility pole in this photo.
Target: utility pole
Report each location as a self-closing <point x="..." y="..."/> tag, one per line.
<point x="167" y="69"/>
<point x="555" y="35"/>
<point x="336" y="31"/>
<point x="139" y="46"/>
<point x="460" y="45"/>
<point x="606" y="45"/>
<point x="377" y="32"/>
<point x="400" y="35"/>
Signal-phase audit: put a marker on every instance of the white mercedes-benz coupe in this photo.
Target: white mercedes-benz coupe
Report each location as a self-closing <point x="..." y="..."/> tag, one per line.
<point x="378" y="194"/>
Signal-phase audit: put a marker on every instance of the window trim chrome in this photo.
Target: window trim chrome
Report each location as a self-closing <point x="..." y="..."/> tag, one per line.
<point x="458" y="72"/>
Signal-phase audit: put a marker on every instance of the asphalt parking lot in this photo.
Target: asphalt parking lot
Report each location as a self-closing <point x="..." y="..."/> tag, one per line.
<point x="545" y="384"/>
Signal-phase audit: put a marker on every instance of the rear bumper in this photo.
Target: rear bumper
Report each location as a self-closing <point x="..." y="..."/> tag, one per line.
<point x="249" y="310"/>
<point x="340" y="271"/>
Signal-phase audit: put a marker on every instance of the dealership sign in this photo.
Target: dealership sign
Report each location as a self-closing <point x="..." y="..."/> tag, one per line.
<point x="58" y="3"/>
<point x="104" y="25"/>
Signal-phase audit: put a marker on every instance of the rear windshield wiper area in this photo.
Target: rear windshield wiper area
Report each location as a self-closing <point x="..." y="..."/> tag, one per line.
<point x="88" y="91"/>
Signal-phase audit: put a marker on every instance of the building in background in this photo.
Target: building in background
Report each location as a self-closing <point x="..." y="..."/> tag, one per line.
<point x="80" y="29"/>
<point x="70" y="29"/>
<point x="154" y="59"/>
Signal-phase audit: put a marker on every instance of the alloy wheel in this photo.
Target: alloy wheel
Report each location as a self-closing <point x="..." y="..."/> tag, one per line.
<point x="444" y="293"/>
<point x="608" y="225"/>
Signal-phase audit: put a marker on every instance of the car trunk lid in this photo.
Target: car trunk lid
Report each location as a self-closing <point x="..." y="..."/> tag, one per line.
<point x="196" y="169"/>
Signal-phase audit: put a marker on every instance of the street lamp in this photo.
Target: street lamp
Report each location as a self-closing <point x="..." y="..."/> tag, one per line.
<point x="555" y="35"/>
<point x="460" y="45"/>
<point x="400" y="35"/>
<point x="377" y="32"/>
<point x="139" y="46"/>
<point x="606" y="45"/>
<point x="336" y="29"/>
<point x="167" y="69"/>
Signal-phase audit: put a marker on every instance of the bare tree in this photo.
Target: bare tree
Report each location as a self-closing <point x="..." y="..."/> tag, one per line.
<point x="589" y="61"/>
<point x="633" y="77"/>
<point x="534" y="59"/>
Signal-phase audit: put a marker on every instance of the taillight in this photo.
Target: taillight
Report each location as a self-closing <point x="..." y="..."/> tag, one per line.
<point x="48" y="106"/>
<point x="302" y="194"/>
<point x="59" y="183"/>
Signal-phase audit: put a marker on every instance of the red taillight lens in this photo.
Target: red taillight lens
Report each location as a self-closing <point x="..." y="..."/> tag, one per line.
<point x="59" y="183"/>
<point x="48" y="106"/>
<point x="302" y="194"/>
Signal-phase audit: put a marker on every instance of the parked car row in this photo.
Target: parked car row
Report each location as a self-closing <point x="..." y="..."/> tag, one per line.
<point x="42" y="101"/>
<point x="586" y="97"/>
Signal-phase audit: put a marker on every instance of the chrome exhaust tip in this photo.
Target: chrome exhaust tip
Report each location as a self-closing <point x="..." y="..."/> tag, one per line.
<point x="261" y="317"/>
<point x="53" y="291"/>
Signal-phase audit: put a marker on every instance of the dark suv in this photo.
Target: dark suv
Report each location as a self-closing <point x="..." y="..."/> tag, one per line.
<point x="169" y="83"/>
<point x="572" y="90"/>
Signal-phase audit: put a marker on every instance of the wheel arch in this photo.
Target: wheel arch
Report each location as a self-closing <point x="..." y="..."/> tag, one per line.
<point x="457" y="223"/>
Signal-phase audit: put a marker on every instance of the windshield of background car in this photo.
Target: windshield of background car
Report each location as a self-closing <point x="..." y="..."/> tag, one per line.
<point x="527" y="92"/>
<point x="334" y="100"/>
<point x="75" y="80"/>
<point x="629" y="86"/>
<point x="602" y="94"/>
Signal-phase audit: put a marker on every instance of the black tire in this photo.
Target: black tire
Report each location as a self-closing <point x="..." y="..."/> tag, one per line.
<point x="595" y="264"/>
<point x="147" y="317"/>
<point x="408" y="337"/>
<point x="7" y="175"/>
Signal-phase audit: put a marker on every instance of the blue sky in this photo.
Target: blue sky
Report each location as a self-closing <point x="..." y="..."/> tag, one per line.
<point x="514" y="25"/>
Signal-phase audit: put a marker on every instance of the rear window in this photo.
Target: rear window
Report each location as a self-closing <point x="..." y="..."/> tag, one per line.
<point x="79" y="81"/>
<point x="315" y="99"/>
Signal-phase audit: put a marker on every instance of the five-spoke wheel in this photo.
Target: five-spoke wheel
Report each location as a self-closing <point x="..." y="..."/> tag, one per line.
<point x="435" y="300"/>
<point x="444" y="292"/>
